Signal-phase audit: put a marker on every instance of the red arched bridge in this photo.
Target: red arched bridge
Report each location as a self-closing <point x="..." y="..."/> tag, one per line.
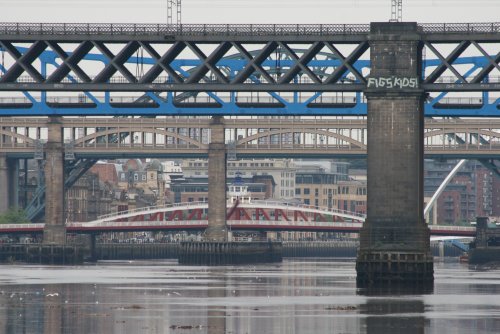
<point x="256" y="215"/>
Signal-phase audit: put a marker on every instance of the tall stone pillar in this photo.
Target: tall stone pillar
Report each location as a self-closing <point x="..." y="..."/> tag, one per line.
<point x="217" y="229"/>
<point x="394" y="240"/>
<point x="13" y="175"/>
<point x="4" y="184"/>
<point x="55" y="230"/>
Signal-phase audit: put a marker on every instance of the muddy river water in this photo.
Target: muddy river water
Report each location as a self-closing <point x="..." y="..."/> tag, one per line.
<point x="296" y="296"/>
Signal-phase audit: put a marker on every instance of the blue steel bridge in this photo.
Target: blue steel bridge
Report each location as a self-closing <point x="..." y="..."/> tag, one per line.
<point x="121" y="70"/>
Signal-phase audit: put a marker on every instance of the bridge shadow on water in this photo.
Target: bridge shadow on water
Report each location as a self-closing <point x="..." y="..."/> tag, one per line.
<point x="386" y="312"/>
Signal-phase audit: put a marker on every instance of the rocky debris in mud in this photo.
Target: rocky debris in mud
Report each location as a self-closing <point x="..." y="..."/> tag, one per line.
<point x="341" y="308"/>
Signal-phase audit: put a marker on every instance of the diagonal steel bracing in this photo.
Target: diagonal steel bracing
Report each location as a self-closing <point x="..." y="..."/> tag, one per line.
<point x="23" y="62"/>
<point x="347" y="63"/>
<point x="447" y="62"/>
<point x="69" y="63"/>
<point x="493" y="63"/>
<point x="162" y="63"/>
<point x="116" y="62"/>
<point x="300" y="64"/>
<point x="208" y="63"/>
<point x="254" y="63"/>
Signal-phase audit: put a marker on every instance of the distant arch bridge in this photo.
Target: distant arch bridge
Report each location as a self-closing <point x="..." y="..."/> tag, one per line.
<point x="257" y="215"/>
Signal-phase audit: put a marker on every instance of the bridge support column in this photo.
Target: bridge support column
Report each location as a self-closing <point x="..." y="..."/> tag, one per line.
<point x="216" y="249"/>
<point x="4" y="184"/>
<point x="394" y="240"/>
<point x="217" y="228"/>
<point x="13" y="175"/>
<point x="55" y="230"/>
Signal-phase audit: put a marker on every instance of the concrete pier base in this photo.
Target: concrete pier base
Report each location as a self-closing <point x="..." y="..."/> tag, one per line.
<point x="54" y="234"/>
<point x="54" y="254"/>
<point x="228" y="253"/>
<point x="41" y="254"/>
<point x="393" y="268"/>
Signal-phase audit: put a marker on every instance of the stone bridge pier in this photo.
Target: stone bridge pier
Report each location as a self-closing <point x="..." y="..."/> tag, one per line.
<point x="55" y="230"/>
<point x="216" y="249"/>
<point x="217" y="228"/>
<point x="9" y="185"/>
<point x="394" y="240"/>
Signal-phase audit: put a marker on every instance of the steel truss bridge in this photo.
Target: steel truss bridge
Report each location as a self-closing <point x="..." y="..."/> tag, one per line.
<point x="126" y="69"/>
<point x="258" y="215"/>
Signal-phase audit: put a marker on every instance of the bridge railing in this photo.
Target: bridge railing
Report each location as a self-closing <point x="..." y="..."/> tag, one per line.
<point x="453" y="79"/>
<point x="448" y="228"/>
<point x="21" y="226"/>
<point x="224" y="29"/>
<point x="347" y="225"/>
<point x="469" y="28"/>
<point x="11" y="28"/>
<point x="179" y="29"/>
<point x="105" y="224"/>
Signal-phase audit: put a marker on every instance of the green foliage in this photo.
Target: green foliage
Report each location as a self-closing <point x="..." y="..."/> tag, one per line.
<point x="14" y="216"/>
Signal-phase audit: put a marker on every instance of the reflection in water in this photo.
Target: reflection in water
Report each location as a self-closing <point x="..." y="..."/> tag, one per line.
<point x="216" y="314"/>
<point x="53" y="311"/>
<point x="298" y="296"/>
<point x="394" y="316"/>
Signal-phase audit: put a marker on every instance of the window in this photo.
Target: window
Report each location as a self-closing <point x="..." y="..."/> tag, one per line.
<point x="306" y="201"/>
<point x="306" y="191"/>
<point x="144" y="177"/>
<point x="136" y="177"/>
<point x="316" y="193"/>
<point x="297" y="191"/>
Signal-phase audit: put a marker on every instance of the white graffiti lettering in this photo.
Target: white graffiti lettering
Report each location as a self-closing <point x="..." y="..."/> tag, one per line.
<point x="392" y="82"/>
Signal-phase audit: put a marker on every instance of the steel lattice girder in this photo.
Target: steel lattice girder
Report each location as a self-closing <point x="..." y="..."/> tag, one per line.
<point x="251" y="71"/>
<point x="22" y="75"/>
<point x="197" y="80"/>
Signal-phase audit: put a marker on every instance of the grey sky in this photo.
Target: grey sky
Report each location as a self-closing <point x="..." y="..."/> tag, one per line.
<point x="248" y="11"/>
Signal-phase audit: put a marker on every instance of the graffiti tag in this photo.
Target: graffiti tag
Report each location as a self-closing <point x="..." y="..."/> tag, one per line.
<point x="392" y="82"/>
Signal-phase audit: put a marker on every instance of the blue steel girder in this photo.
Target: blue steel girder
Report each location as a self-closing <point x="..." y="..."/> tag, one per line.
<point x="152" y="101"/>
<point x="311" y="61"/>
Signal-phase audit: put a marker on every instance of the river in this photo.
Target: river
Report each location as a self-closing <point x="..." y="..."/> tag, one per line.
<point x="296" y="296"/>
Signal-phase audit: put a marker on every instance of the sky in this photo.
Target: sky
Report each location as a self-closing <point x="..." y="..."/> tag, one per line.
<point x="248" y="11"/>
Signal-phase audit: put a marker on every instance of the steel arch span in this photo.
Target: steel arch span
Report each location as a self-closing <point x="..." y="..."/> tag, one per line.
<point x="253" y="211"/>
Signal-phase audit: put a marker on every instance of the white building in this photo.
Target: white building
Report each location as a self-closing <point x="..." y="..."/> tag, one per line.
<point x="282" y="171"/>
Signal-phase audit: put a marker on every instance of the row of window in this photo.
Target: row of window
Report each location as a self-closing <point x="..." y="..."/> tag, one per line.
<point x="339" y="190"/>
<point x="250" y="164"/>
<point x="234" y="164"/>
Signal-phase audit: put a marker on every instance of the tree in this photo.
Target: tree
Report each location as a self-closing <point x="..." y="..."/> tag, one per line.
<point x="14" y="216"/>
